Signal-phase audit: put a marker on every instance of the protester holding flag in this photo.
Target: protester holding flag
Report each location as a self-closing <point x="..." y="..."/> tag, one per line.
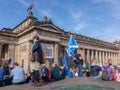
<point x="79" y="61"/>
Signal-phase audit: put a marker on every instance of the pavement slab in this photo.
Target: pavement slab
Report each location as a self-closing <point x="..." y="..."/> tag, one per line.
<point x="65" y="82"/>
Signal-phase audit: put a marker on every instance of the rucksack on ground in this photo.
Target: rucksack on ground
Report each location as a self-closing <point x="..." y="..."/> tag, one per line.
<point x="105" y="75"/>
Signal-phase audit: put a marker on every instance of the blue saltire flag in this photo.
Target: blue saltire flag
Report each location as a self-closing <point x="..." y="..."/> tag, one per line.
<point x="10" y="62"/>
<point x="65" y="63"/>
<point x="72" y="47"/>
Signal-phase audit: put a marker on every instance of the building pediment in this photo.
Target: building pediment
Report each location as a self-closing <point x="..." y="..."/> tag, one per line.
<point x="50" y="28"/>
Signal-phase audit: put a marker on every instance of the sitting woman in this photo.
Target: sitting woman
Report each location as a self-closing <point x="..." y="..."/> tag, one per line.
<point x="55" y="72"/>
<point x="95" y="70"/>
<point x="70" y="73"/>
<point x="107" y="71"/>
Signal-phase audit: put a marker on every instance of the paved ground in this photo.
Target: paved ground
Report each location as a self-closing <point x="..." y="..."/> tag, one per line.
<point x="66" y="82"/>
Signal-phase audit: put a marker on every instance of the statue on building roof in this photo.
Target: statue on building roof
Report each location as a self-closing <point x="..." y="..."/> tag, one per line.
<point x="45" y="19"/>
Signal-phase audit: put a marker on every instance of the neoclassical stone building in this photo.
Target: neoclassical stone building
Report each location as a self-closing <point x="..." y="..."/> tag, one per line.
<point x="16" y="43"/>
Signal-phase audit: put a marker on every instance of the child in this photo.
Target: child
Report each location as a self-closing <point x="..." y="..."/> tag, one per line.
<point x="28" y="76"/>
<point x="76" y="72"/>
<point x="70" y="73"/>
<point x="87" y="69"/>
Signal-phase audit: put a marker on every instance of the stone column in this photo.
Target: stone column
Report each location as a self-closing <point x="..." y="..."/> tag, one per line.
<point x="100" y="57"/>
<point x="112" y="56"/>
<point x="96" y="55"/>
<point x="26" y="63"/>
<point x="83" y="56"/>
<point x="11" y="50"/>
<point x="56" y="54"/>
<point x="0" y="52"/>
<point x="92" y="55"/>
<point x="6" y="52"/>
<point x="114" y="59"/>
<point x="88" y="55"/>
<point x="103" y="59"/>
<point x="117" y="61"/>
<point x="108" y="55"/>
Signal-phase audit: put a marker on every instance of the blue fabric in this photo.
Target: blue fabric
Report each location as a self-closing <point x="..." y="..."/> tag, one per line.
<point x="79" y="70"/>
<point x="95" y="70"/>
<point x="87" y="66"/>
<point x="70" y="74"/>
<point x="32" y="46"/>
<point x="72" y="47"/>
<point x="56" y="73"/>
<point x="10" y="61"/>
<point x="118" y="71"/>
<point x="65" y="62"/>
<point x="18" y="75"/>
<point x="2" y="73"/>
<point x="79" y="61"/>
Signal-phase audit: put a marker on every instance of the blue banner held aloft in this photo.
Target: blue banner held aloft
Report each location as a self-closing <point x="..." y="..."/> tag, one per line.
<point x="10" y="62"/>
<point x="72" y="47"/>
<point x="65" y="63"/>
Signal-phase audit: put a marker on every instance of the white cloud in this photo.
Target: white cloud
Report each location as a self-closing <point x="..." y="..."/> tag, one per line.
<point x="96" y="1"/>
<point x="75" y="13"/>
<point x="50" y="15"/>
<point x="113" y="6"/>
<point x="106" y="1"/>
<point x="44" y="12"/>
<point x="24" y="2"/>
<point x="109" y="34"/>
<point x="80" y="26"/>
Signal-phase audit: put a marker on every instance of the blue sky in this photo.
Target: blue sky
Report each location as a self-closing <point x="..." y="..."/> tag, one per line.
<point x="94" y="18"/>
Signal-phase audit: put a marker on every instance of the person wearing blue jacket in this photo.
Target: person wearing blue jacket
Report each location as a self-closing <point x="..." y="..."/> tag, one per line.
<point x="95" y="70"/>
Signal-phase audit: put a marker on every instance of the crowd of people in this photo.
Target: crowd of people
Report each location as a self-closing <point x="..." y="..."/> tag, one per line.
<point x="39" y="72"/>
<point x="17" y="75"/>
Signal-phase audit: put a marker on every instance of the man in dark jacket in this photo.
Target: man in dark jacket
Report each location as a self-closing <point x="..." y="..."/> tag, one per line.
<point x="95" y="70"/>
<point x="37" y="50"/>
<point x="79" y="62"/>
<point x="36" y="59"/>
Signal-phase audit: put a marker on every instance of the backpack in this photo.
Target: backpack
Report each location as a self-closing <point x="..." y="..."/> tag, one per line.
<point x="44" y="72"/>
<point x="105" y="75"/>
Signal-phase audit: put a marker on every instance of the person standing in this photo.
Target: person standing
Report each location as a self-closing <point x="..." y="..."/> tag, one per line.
<point x="79" y="62"/>
<point x="36" y="59"/>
